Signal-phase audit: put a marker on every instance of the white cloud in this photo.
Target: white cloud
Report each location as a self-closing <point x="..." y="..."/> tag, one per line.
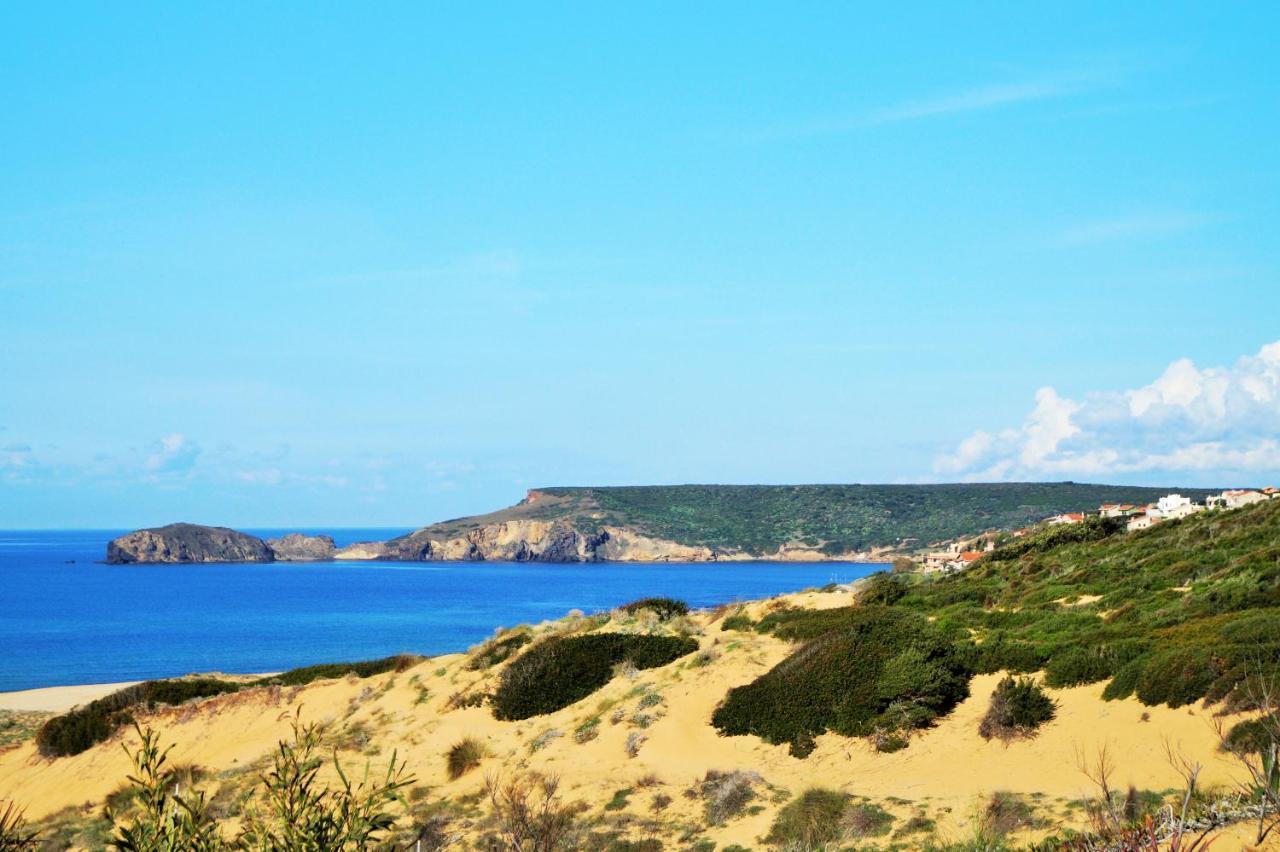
<point x="172" y="454"/>
<point x="1223" y="421"/>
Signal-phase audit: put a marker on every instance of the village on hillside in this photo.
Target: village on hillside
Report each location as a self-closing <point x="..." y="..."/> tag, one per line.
<point x="961" y="553"/>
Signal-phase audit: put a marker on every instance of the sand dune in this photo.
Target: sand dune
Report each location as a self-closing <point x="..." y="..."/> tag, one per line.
<point x="943" y="776"/>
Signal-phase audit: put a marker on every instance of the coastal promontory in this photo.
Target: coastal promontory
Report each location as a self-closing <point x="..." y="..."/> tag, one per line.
<point x="682" y="523"/>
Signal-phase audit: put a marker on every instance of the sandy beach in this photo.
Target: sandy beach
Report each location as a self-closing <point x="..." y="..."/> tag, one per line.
<point x="59" y="699"/>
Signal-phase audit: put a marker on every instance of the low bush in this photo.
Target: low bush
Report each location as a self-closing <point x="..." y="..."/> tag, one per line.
<point x="326" y="671"/>
<point x="1076" y="667"/>
<point x="463" y="756"/>
<point x="1252" y="736"/>
<point x="664" y="608"/>
<point x="619" y="800"/>
<point x="1018" y="708"/>
<point x="726" y="794"/>
<point x="1006" y="813"/>
<point x="498" y="650"/>
<point x="801" y="625"/>
<point x="739" y="621"/>
<point x="810" y="821"/>
<point x="1177" y="676"/>
<point x="562" y="670"/>
<point x="886" y="670"/>
<point x="865" y="820"/>
<point x="84" y="727"/>
<point x="882" y="588"/>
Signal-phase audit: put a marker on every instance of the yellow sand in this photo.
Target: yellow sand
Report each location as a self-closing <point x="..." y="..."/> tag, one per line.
<point x="945" y="772"/>
<point x="58" y="699"/>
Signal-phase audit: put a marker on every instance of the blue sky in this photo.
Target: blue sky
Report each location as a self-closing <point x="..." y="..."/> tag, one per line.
<point x="386" y="265"/>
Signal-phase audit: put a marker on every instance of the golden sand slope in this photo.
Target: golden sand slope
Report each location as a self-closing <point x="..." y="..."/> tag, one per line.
<point x="943" y="775"/>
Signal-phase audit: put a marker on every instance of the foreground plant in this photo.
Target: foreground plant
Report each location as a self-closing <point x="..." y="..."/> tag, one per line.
<point x="528" y="815"/>
<point x="15" y="835"/>
<point x="166" y="819"/>
<point x="1256" y="747"/>
<point x="301" y="813"/>
<point x="296" y="810"/>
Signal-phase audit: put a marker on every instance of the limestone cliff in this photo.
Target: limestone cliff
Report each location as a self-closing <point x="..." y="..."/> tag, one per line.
<point x="527" y="541"/>
<point x="296" y="547"/>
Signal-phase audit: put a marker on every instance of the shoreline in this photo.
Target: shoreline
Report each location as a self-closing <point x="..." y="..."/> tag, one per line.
<point x="60" y="699"/>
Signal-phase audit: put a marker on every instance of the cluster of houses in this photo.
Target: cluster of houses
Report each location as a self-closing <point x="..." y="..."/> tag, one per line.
<point x="1173" y="506"/>
<point x="960" y="554"/>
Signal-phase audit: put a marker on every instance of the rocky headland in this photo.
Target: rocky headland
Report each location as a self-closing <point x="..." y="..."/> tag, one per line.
<point x="688" y="523"/>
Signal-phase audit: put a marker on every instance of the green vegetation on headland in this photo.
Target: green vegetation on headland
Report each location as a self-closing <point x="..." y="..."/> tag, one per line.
<point x="761" y="519"/>
<point x="677" y="522"/>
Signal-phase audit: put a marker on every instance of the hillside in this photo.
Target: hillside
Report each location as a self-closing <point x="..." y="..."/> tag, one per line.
<point x="752" y="521"/>
<point x="816" y="720"/>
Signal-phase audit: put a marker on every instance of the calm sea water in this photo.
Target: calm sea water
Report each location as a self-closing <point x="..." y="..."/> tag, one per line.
<point x="65" y="618"/>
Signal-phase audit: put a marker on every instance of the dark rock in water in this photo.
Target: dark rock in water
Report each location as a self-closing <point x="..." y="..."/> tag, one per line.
<point x="296" y="547"/>
<point x="188" y="543"/>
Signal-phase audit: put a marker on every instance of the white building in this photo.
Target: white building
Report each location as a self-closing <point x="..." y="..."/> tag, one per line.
<point x="1235" y="499"/>
<point x="1141" y="522"/>
<point x="1170" y="503"/>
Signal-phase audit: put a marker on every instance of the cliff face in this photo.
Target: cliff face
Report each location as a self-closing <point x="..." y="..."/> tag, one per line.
<point x="296" y="547"/>
<point x="528" y="541"/>
<point x="504" y="541"/>
<point x="188" y="543"/>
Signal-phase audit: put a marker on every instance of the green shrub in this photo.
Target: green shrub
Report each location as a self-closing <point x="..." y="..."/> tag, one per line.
<point x="726" y="794"/>
<point x="463" y="756"/>
<point x="325" y="671"/>
<point x="1252" y="736"/>
<point x="809" y="821"/>
<point x="998" y="654"/>
<point x="884" y="670"/>
<point x="1125" y="680"/>
<point x="882" y="588"/>
<point x="1077" y="666"/>
<point x="83" y="727"/>
<point x="865" y="820"/>
<point x="498" y="650"/>
<point x="561" y="670"/>
<point x="619" y="800"/>
<point x="1177" y="676"/>
<point x="1018" y="708"/>
<point x="739" y="621"/>
<point x="801" y="625"/>
<point x="665" y="608"/>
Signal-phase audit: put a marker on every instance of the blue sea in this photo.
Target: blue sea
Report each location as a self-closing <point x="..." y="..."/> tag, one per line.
<point x="66" y="618"/>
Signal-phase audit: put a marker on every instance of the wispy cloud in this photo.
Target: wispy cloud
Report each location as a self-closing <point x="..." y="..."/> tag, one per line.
<point x="1216" y="420"/>
<point x="974" y="99"/>
<point x="1132" y="226"/>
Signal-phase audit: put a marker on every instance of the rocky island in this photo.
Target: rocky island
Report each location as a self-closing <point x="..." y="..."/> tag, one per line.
<point x="684" y="523"/>
<point x="184" y="542"/>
